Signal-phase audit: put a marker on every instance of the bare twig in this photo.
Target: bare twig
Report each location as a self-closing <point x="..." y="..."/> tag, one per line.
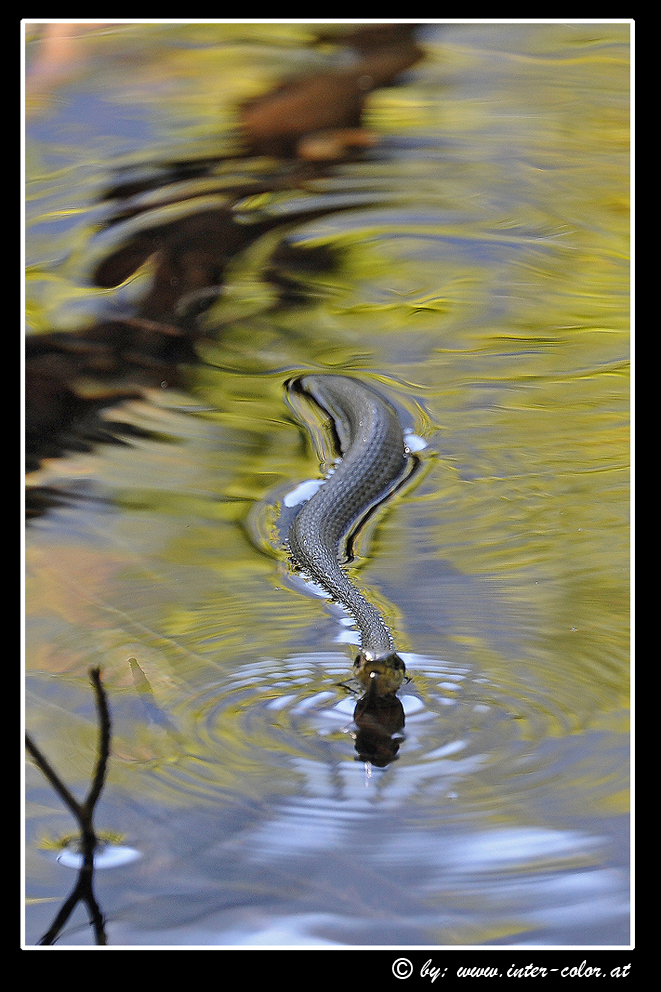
<point x="84" y="815"/>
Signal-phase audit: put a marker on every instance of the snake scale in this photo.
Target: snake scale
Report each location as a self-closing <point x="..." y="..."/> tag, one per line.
<point x="374" y="458"/>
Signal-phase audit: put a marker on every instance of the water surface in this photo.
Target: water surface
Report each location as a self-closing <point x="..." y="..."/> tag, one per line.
<point x="481" y="281"/>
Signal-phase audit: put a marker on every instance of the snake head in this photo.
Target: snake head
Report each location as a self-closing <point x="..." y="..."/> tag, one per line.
<point x="380" y="675"/>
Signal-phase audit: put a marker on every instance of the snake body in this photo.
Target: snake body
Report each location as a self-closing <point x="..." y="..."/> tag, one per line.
<point x="373" y="458"/>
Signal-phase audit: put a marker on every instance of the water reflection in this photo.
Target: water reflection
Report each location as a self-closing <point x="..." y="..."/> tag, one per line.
<point x="490" y="290"/>
<point x="107" y="855"/>
<point x="379" y="721"/>
<point x="340" y="829"/>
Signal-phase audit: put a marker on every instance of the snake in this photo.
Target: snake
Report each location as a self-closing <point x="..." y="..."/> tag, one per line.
<point x="373" y="459"/>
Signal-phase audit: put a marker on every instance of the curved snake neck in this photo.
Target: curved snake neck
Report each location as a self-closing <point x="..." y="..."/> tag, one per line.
<point x="373" y="459"/>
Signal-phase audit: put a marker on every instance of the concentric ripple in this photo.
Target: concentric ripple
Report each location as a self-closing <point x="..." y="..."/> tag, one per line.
<point x="281" y="728"/>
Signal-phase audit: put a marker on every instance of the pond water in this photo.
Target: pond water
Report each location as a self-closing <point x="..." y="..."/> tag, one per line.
<point x="480" y="281"/>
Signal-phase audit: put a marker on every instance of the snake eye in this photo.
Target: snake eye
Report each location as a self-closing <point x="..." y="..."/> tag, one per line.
<point x="398" y="664"/>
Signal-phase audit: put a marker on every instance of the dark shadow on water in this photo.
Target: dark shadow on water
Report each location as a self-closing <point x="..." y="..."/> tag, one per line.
<point x="379" y="724"/>
<point x="306" y="125"/>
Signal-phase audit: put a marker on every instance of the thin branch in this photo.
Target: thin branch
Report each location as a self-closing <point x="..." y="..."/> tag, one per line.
<point x="45" y="767"/>
<point x="84" y="815"/>
<point x="104" y="741"/>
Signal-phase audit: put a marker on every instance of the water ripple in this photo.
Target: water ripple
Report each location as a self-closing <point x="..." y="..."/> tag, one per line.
<point x="276" y="730"/>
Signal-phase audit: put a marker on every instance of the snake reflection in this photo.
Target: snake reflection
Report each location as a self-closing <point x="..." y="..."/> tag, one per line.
<point x="374" y="458"/>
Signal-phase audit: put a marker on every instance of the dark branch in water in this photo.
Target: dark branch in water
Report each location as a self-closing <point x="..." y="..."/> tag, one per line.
<point x="83" y="813"/>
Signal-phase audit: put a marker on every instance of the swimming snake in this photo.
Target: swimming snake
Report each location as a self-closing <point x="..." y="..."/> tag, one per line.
<point x="373" y="459"/>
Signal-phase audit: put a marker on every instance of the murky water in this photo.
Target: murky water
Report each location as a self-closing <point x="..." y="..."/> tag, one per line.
<point x="486" y="293"/>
